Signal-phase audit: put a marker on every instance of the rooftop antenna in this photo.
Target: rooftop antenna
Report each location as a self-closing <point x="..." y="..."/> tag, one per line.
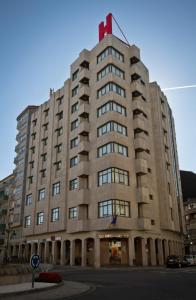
<point x="121" y="30"/>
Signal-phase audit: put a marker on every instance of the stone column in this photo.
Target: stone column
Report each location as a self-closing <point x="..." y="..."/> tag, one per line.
<point x="84" y="252"/>
<point x="62" y="262"/>
<point x="32" y="249"/>
<point x="131" y="251"/>
<point x="160" y="252"/>
<point x="39" y="246"/>
<point x="72" y="252"/>
<point x="97" y="253"/>
<point x="144" y="252"/>
<point x="152" y="252"/>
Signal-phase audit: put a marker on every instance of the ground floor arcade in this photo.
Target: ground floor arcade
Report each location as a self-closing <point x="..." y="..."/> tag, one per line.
<point x="99" y="249"/>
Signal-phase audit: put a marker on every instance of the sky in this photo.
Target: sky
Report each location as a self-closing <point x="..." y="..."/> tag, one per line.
<point x="39" y="39"/>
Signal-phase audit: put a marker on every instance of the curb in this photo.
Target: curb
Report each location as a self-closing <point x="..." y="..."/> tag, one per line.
<point x="31" y="291"/>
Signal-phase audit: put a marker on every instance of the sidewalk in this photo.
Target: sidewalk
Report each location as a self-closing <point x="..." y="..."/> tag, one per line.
<point x="42" y="290"/>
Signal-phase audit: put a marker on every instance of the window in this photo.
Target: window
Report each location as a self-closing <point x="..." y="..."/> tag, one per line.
<point x="41" y="194"/>
<point x="27" y="221"/>
<point x="28" y="199"/>
<point x="73" y="161"/>
<point x="59" y="131"/>
<point x="40" y="218"/>
<point x="46" y="112"/>
<point x="110" y="51"/>
<point x="74" y="143"/>
<point x="43" y="172"/>
<point x="33" y="135"/>
<point x="32" y="150"/>
<point x="55" y="214"/>
<point x="34" y="122"/>
<point x="45" y="141"/>
<point x="31" y="163"/>
<point x="111" y="126"/>
<point x="60" y="115"/>
<point x="44" y="156"/>
<point x="111" y="87"/>
<point x="74" y="107"/>
<point x="113" y="175"/>
<point x="110" y="69"/>
<point x="111" y="106"/>
<point x="112" y="147"/>
<point x="56" y="189"/>
<point x="45" y="126"/>
<point x="75" y="75"/>
<point x="59" y="148"/>
<point x="30" y="179"/>
<point x="58" y="165"/>
<point x="113" y="207"/>
<point x="75" y="91"/>
<point x="60" y="100"/>
<point x="73" y="184"/>
<point x="74" y="124"/>
<point x="73" y="212"/>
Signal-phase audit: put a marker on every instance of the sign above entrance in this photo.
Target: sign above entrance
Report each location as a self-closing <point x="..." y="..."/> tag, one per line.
<point x="107" y="29"/>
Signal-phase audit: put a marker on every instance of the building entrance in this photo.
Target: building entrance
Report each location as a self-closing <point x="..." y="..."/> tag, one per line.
<point x="115" y="251"/>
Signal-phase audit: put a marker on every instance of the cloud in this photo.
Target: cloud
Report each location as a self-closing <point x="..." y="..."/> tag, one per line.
<point x="179" y="87"/>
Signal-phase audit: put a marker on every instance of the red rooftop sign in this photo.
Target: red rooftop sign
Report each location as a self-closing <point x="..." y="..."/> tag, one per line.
<point x="105" y="29"/>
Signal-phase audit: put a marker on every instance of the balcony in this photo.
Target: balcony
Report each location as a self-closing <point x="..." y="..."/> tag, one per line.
<point x="84" y="76"/>
<point x="83" y="196"/>
<point x="136" y="89"/>
<point x="84" y="147"/>
<point x="141" y="166"/>
<point x="84" y="128"/>
<point x="142" y="195"/>
<point x="144" y="224"/>
<point x="135" y="55"/>
<point x="141" y="143"/>
<point x="139" y="104"/>
<point x="84" y="110"/>
<point x="83" y="169"/>
<point x="84" y="93"/>
<point x="77" y="226"/>
<point x="140" y="122"/>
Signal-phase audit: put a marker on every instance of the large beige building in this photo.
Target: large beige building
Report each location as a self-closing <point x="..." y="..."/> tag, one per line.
<point x="102" y="179"/>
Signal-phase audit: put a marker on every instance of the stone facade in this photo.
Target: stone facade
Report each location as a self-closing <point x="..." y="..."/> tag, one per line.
<point x="102" y="181"/>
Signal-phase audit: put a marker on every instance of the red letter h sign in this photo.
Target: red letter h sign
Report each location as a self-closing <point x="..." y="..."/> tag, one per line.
<point x="107" y="29"/>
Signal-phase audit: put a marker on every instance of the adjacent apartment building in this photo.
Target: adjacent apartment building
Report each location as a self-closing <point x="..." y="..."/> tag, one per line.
<point x="188" y="180"/>
<point x="101" y="180"/>
<point x="6" y="200"/>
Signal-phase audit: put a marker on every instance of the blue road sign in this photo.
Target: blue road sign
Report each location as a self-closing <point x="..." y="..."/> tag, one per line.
<point x="35" y="261"/>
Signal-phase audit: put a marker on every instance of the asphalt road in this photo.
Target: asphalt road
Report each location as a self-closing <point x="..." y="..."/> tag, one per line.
<point x="135" y="284"/>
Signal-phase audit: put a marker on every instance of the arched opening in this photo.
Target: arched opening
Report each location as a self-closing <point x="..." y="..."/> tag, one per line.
<point x="67" y="252"/>
<point x="157" y="251"/>
<point x="42" y="252"/>
<point x="170" y="247"/>
<point x="28" y="252"/>
<point x="164" y="251"/>
<point x="149" y="251"/>
<point x="78" y="252"/>
<point x="90" y="252"/>
<point x="138" y="251"/>
<point x="58" y="252"/>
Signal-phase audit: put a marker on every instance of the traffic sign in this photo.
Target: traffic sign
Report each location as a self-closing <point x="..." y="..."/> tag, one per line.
<point x="35" y="261"/>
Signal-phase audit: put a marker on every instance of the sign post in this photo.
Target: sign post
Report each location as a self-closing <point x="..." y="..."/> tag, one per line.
<point x="34" y="264"/>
